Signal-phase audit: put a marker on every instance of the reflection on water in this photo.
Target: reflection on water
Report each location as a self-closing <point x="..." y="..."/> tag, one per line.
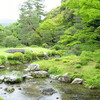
<point x="31" y="89"/>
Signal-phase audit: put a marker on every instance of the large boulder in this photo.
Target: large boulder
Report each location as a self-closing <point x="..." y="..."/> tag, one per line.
<point x="33" y="67"/>
<point x="9" y="89"/>
<point x="12" y="79"/>
<point x="15" y="50"/>
<point x="48" y="91"/>
<point x="65" y="78"/>
<point x="40" y="74"/>
<point x="77" y="81"/>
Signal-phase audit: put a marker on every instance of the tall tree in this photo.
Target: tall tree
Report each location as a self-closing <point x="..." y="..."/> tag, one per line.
<point x="30" y="16"/>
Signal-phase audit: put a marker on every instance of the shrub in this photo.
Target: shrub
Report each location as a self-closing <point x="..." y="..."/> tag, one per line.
<point x="85" y="57"/>
<point x="45" y="45"/>
<point x="41" y="55"/>
<point x="19" y="80"/>
<point x="3" y="59"/>
<point x="28" y="52"/>
<point x="0" y="62"/>
<point x="57" y="47"/>
<point x="54" y="70"/>
<point x="34" y="55"/>
<point x="61" y="52"/>
<point x="76" y="49"/>
<point x="57" y="59"/>
<point x="18" y="56"/>
<point x="34" y="45"/>
<point x="10" y="57"/>
<point x="66" y="61"/>
<point x="27" y="57"/>
<point x="78" y="66"/>
<point x="54" y="53"/>
<point x="20" y="46"/>
<point x="96" y="56"/>
<point x="11" y="41"/>
<point x="15" y="62"/>
<point x="97" y="66"/>
<point x="93" y="82"/>
<point x="76" y="75"/>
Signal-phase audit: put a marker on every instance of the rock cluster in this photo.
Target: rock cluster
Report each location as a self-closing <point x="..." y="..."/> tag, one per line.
<point x="66" y="78"/>
<point x="48" y="91"/>
<point x="10" y="79"/>
<point x="34" y="72"/>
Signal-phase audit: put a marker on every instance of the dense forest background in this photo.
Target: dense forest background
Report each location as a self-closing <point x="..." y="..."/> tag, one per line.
<point x="75" y="25"/>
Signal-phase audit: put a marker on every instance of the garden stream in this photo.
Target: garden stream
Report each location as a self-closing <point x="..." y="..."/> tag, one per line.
<point x="31" y="89"/>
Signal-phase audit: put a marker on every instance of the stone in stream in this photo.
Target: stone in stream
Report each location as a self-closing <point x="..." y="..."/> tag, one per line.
<point x="1" y="79"/>
<point x="48" y="91"/>
<point x="27" y="76"/>
<point x="77" y="81"/>
<point x="65" y="78"/>
<point x="40" y="74"/>
<point x="9" y="89"/>
<point x="12" y="79"/>
<point x="1" y="67"/>
<point x="33" y="67"/>
<point x="54" y="77"/>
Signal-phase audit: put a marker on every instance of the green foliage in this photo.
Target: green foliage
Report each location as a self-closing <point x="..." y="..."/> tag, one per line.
<point x="40" y="55"/>
<point x="0" y="62"/>
<point x="15" y="62"/>
<point x="76" y="75"/>
<point x="28" y="52"/>
<point x="78" y="66"/>
<point x="57" y="47"/>
<point x="97" y="66"/>
<point x="11" y="41"/>
<point x="18" y="56"/>
<point x="10" y="57"/>
<point x="76" y="49"/>
<point x="34" y="46"/>
<point x="45" y="45"/>
<point x="1" y="98"/>
<point x="3" y="59"/>
<point x="20" y="46"/>
<point x="19" y="80"/>
<point x="54" y="70"/>
<point x="27" y="57"/>
<point x="57" y="59"/>
<point x="85" y="57"/>
<point x="96" y="56"/>
<point x="93" y="82"/>
<point x="34" y="56"/>
<point x="53" y="53"/>
<point x="31" y="12"/>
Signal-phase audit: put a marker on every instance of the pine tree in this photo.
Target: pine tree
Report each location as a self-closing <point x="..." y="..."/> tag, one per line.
<point x="31" y="12"/>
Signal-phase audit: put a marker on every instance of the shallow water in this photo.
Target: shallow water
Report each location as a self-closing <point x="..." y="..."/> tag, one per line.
<point x="31" y="89"/>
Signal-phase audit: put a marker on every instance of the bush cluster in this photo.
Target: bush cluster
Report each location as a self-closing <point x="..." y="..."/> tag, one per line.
<point x="85" y="57"/>
<point x="3" y="59"/>
<point x="45" y="45"/>
<point x="18" y="56"/>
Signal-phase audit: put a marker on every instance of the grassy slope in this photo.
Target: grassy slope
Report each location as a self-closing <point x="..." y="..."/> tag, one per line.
<point x="68" y="65"/>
